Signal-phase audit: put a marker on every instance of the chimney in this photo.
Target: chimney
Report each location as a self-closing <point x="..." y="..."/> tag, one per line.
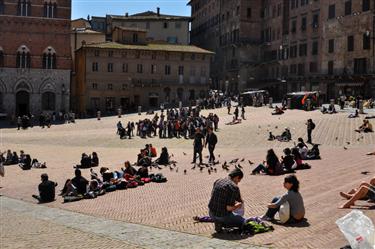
<point x="126" y="14"/>
<point x="158" y="11"/>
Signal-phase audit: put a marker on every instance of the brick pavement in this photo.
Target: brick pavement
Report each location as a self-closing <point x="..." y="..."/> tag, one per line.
<point x="171" y="205"/>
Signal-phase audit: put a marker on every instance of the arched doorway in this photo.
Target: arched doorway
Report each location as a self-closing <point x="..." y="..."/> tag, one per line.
<point x="22" y="103"/>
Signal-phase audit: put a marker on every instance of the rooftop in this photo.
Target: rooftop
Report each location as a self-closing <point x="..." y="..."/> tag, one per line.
<point x="150" y="15"/>
<point x="151" y="47"/>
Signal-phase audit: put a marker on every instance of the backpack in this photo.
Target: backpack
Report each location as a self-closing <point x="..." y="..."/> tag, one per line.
<point x="312" y="126"/>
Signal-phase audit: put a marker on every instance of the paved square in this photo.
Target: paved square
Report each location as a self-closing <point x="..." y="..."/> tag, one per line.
<point x="172" y="205"/>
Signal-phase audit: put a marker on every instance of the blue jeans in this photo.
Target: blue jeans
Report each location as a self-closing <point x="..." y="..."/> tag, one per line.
<point x="271" y="212"/>
<point x="231" y="220"/>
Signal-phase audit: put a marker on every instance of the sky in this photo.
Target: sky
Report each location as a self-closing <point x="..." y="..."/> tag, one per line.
<point x="82" y="8"/>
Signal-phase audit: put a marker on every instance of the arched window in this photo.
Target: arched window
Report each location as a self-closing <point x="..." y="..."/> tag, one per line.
<point x="24" y="7"/>
<point x="23" y="57"/>
<point x="49" y="58"/>
<point x="48" y="101"/>
<point x="50" y="9"/>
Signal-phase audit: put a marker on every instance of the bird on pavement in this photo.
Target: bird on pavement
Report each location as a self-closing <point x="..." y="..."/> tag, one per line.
<point x="250" y="162"/>
<point x="243" y="159"/>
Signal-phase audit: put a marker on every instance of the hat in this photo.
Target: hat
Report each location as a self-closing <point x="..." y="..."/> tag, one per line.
<point x="236" y="172"/>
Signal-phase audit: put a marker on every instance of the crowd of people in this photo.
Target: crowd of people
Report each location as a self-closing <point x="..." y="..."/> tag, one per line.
<point x="44" y="119"/>
<point x="23" y="160"/>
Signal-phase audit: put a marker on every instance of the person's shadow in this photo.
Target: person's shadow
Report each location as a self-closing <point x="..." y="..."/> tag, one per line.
<point x="303" y="223"/>
<point x="231" y="234"/>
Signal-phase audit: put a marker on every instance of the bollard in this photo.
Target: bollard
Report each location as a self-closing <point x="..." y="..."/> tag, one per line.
<point x="98" y="115"/>
<point x="270" y="101"/>
<point x="139" y="110"/>
<point x="361" y="107"/>
<point x="308" y="101"/>
<point x="119" y="112"/>
<point x="254" y="101"/>
<point x="289" y="103"/>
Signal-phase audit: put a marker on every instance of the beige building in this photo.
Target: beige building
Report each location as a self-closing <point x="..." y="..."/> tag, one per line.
<point x="81" y="36"/>
<point x="159" y="27"/>
<point x="129" y="72"/>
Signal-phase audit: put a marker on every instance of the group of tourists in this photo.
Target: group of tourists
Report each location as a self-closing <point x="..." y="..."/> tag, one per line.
<point x="88" y="161"/>
<point x="23" y="160"/>
<point x="44" y="119"/>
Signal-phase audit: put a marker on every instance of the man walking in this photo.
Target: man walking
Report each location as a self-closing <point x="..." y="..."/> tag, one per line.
<point x="310" y="127"/>
<point x="211" y="140"/>
<point x="225" y="200"/>
<point x="198" y="145"/>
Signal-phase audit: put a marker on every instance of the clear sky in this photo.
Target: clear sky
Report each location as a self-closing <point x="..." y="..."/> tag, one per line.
<point x="82" y="8"/>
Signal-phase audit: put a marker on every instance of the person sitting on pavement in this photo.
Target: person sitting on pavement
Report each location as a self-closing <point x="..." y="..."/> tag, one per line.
<point x="354" y="115"/>
<point x="365" y="127"/>
<point x="313" y="153"/>
<point x="286" y="136"/>
<point x="277" y="111"/>
<point x="85" y="162"/>
<point x="79" y="182"/>
<point x="46" y="190"/>
<point x="302" y="149"/>
<point x="225" y="199"/>
<point x="26" y="163"/>
<point x="293" y="197"/>
<point x="94" y="159"/>
<point x="271" y="166"/>
<point x="331" y="109"/>
<point x="143" y="159"/>
<point x="271" y="137"/>
<point x="129" y="170"/>
<point x="287" y="161"/>
<point x="164" y="157"/>
<point x="365" y="191"/>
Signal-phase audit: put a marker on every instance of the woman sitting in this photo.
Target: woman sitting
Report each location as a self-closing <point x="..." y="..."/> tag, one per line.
<point x="293" y="197"/>
<point x="129" y="170"/>
<point x="287" y="161"/>
<point x="271" y="166"/>
<point x="297" y="158"/>
<point x="313" y="153"/>
<point x="302" y="149"/>
<point x="365" y="127"/>
<point x="164" y="157"/>
<point x="94" y="160"/>
<point x="26" y="164"/>
<point x="286" y="136"/>
<point x="354" y="115"/>
<point x="277" y="111"/>
<point x="365" y="191"/>
<point x="85" y="162"/>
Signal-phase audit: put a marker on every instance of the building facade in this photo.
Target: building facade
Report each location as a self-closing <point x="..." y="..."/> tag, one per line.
<point x="159" y="27"/>
<point x="130" y="72"/>
<point x="35" y="56"/>
<point x="294" y="45"/>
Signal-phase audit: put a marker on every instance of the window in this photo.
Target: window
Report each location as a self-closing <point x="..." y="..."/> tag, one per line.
<point x="95" y="86"/>
<point x="135" y="38"/>
<point x="50" y="10"/>
<point x="360" y="66"/>
<point x="248" y="13"/>
<point x="96" y="53"/>
<point x="110" y="86"/>
<point x="314" y="50"/>
<point x="49" y="61"/>
<point x="331" y="46"/>
<point x="177" y="25"/>
<point x="315" y="22"/>
<point x="293" y="69"/>
<point x="313" y="67"/>
<point x="110" y="103"/>
<point x="167" y="69"/>
<point x="293" y="51"/>
<point x="125" y="68"/>
<point x="294" y="26"/>
<point x="301" y="69"/>
<point x="279" y="9"/>
<point x="303" y="49"/>
<point x="330" y="67"/>
<point x="350" y="43"/>
<point x="181" y="70"/>
<point x="23" y="59"/>
<point x="110" y="67"/>
<point x="153" y="56"/>
<point x="95" y="67"/>
<point x="153" y="69"/>
<point x="48" y="101"/>
<point x="24" y="8"/>
<point x="110" y="53"/>
<point x="366" y="41"/>
<point x="165" y="25"/>
<point x="365" y="5"/>
<point x="331" y="11"/>
<point x="139" y="68"/>
<point x="348" y="7"/>
<point x="303" y="23"/>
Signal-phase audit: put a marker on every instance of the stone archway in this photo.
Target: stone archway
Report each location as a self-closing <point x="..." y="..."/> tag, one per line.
<point x="22" y="103"/>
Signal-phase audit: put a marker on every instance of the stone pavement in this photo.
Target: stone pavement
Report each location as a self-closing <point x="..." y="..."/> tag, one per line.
<point x="26" y="225"/>
<point x="172" y="205"/>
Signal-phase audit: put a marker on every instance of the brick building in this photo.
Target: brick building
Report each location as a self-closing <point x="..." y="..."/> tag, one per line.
<point x="35" y="56"/>
<point x="130" y="71"/>
<point x="292" y="45"/>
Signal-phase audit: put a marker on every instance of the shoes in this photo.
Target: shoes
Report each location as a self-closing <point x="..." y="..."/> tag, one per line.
<point x="266" y="218"/>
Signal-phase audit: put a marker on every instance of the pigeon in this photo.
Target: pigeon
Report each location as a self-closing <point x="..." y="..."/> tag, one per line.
<point x="250" y="162"/>
<point x="337" y="138"/>
<point x="184" y="153"/>
<point x="345" y="148"/>
<point x="243" y="159"/>
<point x="347" y="142"/>
<point x="170" y="167"/>
<point x="185" y="171"/>
<point x="225" y="163"/>
<point x="211" y="168"/>
<point x="358" y="139"/>
<point x="209" y="172"/>
<point x="174" y="165"/>
<point x="177" y="170"/>
<point x="206" y="156"/>
<point x="215" y="170"/>
<point x="172" y="155"/>
<point x="218" y="155"/>
<point x="276" y="127"/>
<point x="234" y="160"/>
<point x="365" y="172"/>
<point x="259" y="126"/>
<point x="201" y="169"/>
<point x="239" y="166"/>
<point x="194" y="166"/>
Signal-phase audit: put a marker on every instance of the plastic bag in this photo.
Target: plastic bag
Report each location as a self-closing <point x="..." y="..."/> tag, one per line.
<point x="358" y="229"/>
<point x="284" y="212"/>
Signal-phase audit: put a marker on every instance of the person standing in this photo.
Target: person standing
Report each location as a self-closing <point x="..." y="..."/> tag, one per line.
<point x="211" y="140"/>
<point x="198" y="145"/>
<point x="243" y="113"/>
<point x="236" y="113"/>
<point x="225" y="200"/>
<point x="228" y="106"/>
<point x="19" y="122"/>
<point x="310" y="127"/>
<point x="46" y="190"/>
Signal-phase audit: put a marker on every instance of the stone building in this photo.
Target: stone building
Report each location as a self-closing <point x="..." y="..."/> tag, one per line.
<point x="35" y="56"/>
<point x="160" y="27"/>
<point x="301" y="44"/>
<point x="131" y="72"/>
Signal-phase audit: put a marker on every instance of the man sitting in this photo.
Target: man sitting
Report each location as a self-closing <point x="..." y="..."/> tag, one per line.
<point x="286" y="136"/>
<point x="79" y="182"/>
<point x="46" y="190"/>
<point x="225" y="199"/>
<point x="365" y="127"/>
